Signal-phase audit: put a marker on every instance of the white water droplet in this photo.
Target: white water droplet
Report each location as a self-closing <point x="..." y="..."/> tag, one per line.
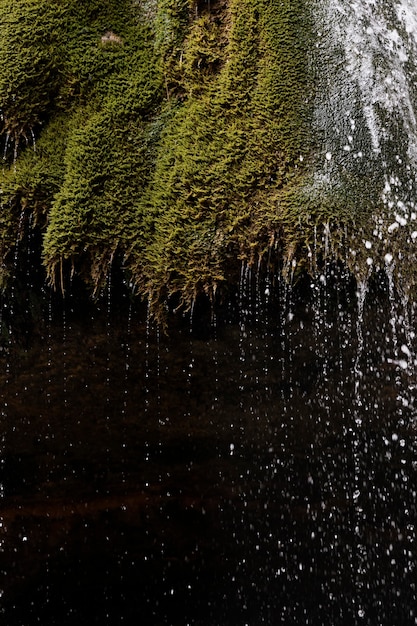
<point x="401" y="220"/>
<point x="405" y="350"/>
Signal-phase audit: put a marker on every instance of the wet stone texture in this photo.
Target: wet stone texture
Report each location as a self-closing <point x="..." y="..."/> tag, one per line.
<point x="254" y="466"/>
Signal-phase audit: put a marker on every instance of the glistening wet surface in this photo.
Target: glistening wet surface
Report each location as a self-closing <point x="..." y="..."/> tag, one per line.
<point x="256" y="466"/>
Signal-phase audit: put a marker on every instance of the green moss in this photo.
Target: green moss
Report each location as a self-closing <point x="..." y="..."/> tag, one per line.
<point x="184" y="206"/>
<point x="30" y="62"/>
<point x="203" y="54"/>
<point x="53" y="53"/>
<point x="106" y="169"/>
<point x="171" y="25"/>
<point x="177" y="138"/>
<point x="92" y="156"/>
<point x="28" y="188"/>
<point x="228" y="154"/>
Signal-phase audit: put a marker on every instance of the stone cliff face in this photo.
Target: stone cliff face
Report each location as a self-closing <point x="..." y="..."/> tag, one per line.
<point x="178" y="138"/>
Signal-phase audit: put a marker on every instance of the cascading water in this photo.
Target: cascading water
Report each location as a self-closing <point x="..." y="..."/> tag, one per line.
<point x="374" y="44"/>
<point x="365" y="115"/>
<point x="366" y="63"/>
<point x="370" y="96"/>
<point x="256" y="464"/>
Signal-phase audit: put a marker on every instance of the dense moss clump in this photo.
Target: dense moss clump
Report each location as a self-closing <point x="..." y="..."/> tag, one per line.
<point x="230" y="149"/>
<point x="74" y="118"/>
<point x="174" y="135"/>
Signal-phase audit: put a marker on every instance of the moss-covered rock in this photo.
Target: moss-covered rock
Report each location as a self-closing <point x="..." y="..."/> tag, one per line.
<point x="229" y="153"/>
<point x="31" y="66"/>
<point x="177" y="136"/>
<point x="75" y="151"/>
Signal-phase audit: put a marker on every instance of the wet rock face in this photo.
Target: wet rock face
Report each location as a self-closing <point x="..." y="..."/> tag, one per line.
<point x="257" y="463"/>
<point x="177" y="138"/>
<point x="365" y="114"/>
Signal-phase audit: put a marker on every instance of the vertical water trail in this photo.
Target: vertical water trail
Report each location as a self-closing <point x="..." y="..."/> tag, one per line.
<point x="408" y="352"/>
<point x="242" y="319"/>
<point x="124" y="411"/>
<point x="341" y="393"/>
<point x="162" y="419"/>
<point x="127" y="360"/>
<point x="365" y="111"/>
<point x="257" y="348"/>
<point x="49" y="372"/>
<point x="376" y="42"/>
<point x="362" y="288"/>
<point x="328" y="453"/>
<point x="245" y="303"/>
<point x="32" y="134"/>
<point x="328" y="330"/>
<point x="64" y="370"/>
<point x="407" y="321"/>
<point x="6" y="146"/>
<point x="400" y="439"/>
<point x="322" y="292"/>
<point x="108" y="341"/>
<point x="240" y="442"/>
<point x="345" y="330"/>
<point x="10" y="307"/>
<point x="319" y="405"/>
<point x="315" y="289"/>
<point x="289" y="319"/>
<point x="401" y="336"/>
<point x="286" y="441"/>
<point x="3" y="423"/>
<point x="215" y="360"/>
<point x="191" y="361"/>
<point x="147" y="367"/>
<point x="49" y="350"/>
<point x="325" y="277"/>
<point x="358" y="484"/>
<point x="266" y="337"/>
<point x="389" y="267"/>
<point x="282" y="295"/>
<point x="243" y="432"/>
<point x="285" y="325"/>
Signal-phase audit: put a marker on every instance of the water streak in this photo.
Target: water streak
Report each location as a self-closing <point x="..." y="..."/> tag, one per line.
<point x="366" y="63"/>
